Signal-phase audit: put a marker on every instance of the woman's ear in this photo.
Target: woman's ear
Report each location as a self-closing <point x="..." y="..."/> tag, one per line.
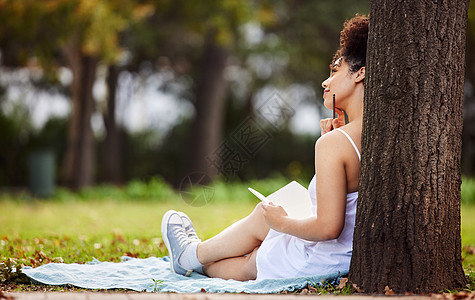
<point x="360" y="75"/>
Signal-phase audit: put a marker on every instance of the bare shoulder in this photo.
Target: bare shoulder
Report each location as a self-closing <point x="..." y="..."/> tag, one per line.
<point x="331" y="141"/>
<point x="338" y="139"/>
<point x="335" y="145"/>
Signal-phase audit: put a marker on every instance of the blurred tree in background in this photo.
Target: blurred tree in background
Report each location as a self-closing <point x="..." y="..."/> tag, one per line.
<point x="468" y="135"/>
<point x="218" y="61"/>
<point x="77" y="34"/>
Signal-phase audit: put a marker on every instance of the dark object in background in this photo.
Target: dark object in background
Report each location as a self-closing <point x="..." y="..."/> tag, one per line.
<point x="41" y="173"/>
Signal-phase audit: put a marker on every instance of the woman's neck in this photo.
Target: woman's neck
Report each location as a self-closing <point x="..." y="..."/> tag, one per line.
<point x="354" y="111"/>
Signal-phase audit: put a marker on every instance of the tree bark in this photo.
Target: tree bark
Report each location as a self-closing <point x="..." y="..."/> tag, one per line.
<point x="210" y="103"/>
<point x="78" y="166"/>
<point x="111" y="155"/>
<point x="407" y="233"/>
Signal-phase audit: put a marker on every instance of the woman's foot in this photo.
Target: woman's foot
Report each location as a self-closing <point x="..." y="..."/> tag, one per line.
<point x="189" y="257"/>
<point x="176" y="240"/>
<point x="182" y="249"/>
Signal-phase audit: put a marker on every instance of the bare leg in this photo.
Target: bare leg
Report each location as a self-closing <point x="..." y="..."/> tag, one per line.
<point x="224" y="253"/>
<point x="238" y="268"/>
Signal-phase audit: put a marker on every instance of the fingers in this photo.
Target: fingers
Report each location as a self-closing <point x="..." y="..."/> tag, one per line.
<point x="266" y="205"/>
<point x="341" y="115"/>
<point x="326" y="125"/>
<point x="340" y="121"/>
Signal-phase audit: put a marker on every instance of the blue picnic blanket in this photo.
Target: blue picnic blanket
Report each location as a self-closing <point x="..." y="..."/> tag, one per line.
<point x="153" y="274"/>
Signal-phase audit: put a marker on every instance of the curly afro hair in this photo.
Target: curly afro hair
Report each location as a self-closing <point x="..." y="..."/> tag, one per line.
<point x="353" y="40"/>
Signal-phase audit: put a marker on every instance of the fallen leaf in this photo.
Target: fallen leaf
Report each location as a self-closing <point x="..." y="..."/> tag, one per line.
<point x="461" y="295"/>
<point x="469" y="249"/>
<point x="119" y="238"/>
<point x="130" y="254"/>
<point x="58" y="259"/>
<point x="40" y="254"/>
<point x="357" y="288"/>
<point x="388" y="291"/>
<point x="203" y="290"/>
<point x="342" y="284"/>
<point x="312" y="288"/>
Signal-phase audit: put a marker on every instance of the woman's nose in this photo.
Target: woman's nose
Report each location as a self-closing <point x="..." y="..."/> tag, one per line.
<point x="325" y="83"/>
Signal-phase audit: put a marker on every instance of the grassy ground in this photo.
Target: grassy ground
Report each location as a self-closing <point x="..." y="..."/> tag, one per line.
<point x="468" y="241"/>
<point x="106" y="230"/>
<point x="126" y="221"/>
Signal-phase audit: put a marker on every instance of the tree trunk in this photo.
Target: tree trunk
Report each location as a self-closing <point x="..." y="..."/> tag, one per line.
<point x="112" y="150"/>
<point x="407" y="233"/>
<point x="210" y="103"/>
<point x="78" y="166"/>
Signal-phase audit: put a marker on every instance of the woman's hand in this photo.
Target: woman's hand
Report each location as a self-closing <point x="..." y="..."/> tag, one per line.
<point x="275" y="216"/>
<point x="327" y="125"/>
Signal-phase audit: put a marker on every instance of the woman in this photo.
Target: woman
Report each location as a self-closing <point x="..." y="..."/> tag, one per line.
<point x="268" y="243"/>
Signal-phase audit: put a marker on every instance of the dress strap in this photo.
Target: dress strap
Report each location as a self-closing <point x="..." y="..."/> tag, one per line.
<point x="351" y="141"/>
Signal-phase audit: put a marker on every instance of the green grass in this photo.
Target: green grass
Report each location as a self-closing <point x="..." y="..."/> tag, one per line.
<point x="106" y="230"/>
<point x="468" y="225"/>
<point x="468" y="242"/>
<point x="468" y="191"/>
<point x="108" y="222"/>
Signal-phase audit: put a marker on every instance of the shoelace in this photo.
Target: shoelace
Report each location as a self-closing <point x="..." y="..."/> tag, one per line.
<point x="191" y="233"/>
<point x="181" y="236"/>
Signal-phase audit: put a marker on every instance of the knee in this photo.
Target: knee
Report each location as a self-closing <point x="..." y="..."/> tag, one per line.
<point x="258" y="210"/>
<point x="258" y="214"/>
<point x="258" y="222"/>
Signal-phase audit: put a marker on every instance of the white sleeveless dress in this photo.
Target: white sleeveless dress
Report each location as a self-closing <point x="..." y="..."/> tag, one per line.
<point x="285" y="256"/>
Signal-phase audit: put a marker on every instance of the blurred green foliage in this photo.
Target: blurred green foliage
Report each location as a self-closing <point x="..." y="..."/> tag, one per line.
<point x="145" y="158"/>
<point x="468" y="191"/>
<point x="18" y="139"/>
<point x="156" y="189"/>
<point x="298" y="40"/>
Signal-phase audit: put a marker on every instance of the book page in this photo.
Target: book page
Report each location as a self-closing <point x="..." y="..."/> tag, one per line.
<point x="294" y="198"/>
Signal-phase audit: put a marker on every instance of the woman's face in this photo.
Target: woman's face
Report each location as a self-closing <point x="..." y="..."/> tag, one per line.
<point x="341" y="83"/>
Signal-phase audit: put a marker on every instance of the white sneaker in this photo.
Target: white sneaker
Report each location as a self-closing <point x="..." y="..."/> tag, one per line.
<point x="175" y="237"/>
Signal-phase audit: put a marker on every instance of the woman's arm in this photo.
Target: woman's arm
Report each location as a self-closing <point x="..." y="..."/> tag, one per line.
<point x="331" y="189"/>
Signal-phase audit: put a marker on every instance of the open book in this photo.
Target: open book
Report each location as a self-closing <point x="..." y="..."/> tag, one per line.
<point x="293" y="197"/>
